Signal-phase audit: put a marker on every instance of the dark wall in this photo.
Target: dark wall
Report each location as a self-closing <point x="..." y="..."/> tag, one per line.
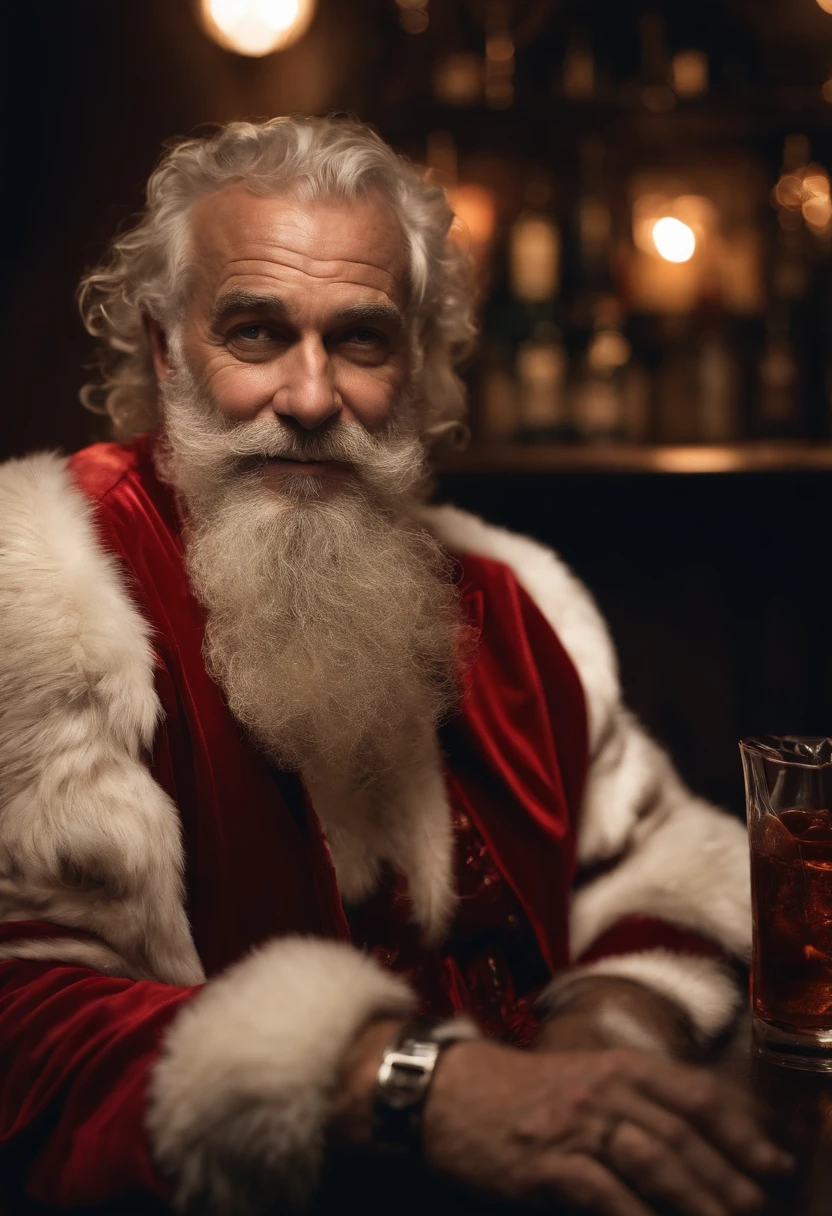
<point x="717" y="591"/>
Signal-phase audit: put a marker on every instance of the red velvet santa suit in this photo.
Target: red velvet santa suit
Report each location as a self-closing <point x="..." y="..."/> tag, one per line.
<point x="80" y="1038"/>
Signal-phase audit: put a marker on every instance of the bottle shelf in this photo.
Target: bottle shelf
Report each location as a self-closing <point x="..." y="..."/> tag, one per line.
<point x="758" y="456"/>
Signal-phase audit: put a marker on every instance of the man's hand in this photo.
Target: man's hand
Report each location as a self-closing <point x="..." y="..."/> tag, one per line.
<point x="605" y="1011"/>
<point x="615" y="1132"/>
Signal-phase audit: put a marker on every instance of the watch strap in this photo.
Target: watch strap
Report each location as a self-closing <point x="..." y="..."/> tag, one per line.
<point x="405" y="1075"/>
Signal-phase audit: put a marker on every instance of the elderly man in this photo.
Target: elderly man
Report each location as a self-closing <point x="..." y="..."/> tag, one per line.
<point x="288" y="758"/>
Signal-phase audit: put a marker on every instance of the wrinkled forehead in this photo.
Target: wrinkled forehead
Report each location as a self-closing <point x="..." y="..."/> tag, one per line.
<point x="309" y="245"/>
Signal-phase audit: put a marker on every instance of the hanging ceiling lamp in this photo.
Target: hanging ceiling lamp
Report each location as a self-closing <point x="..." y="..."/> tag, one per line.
<point x="255" y="27"/>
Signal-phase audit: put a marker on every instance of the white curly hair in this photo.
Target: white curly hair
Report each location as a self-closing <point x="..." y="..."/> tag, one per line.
<point x="146" y="268"/>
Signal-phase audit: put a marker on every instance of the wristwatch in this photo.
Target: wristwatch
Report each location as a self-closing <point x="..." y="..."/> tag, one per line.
<point x="405" y="1076"/>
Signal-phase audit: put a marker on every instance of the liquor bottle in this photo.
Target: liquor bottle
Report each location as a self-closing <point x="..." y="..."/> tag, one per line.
<point x="678" y="381"/>
<point x="778" y="392"/>
<point x="780" y="374"/>
<point x="718" y="388"/>
<point x="540" y="360"/>
<point x="601" y="394"/>
<point x="542" y="365"/>
<point x="593" y="223"/>
<point x="603" y="351"/>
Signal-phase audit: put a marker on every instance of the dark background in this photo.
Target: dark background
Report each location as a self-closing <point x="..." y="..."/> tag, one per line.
<point x="716" y="586"/>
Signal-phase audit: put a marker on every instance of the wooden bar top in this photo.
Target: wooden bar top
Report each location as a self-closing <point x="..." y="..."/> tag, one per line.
<point x="800" y="1106"/>
<point x="756" y="456"/>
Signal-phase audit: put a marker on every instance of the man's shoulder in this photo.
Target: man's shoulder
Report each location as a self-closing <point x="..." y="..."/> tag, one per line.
<point x="54" y="555"/>
<point x="66" y="513"/>
<point x="102" y="468"/>
<point x="66" y="621"/>
<point x="98" y="469"/>
<point x="564" y="601"/>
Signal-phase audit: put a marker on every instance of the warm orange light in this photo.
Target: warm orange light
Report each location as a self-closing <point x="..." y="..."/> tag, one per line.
<point x="789" y="190"/>
<point x="691" y="212"/>
<point x="817" y="212"/>
<point x="535" y="258"/>
<point x="690" y="73"/>
<point x="806" y="192"/>
<point x="674" y="241"/>
<point x="458" y="79"/>
<point x="826" y="5"/>
<point x="475" y="213"/>
<point x="255" y="27"/>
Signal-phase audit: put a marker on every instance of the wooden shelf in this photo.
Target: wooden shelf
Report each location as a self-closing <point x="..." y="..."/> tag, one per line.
<point x="782" y="456"/>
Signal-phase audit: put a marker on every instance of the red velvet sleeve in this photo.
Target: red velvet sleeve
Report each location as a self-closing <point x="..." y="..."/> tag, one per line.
<point x="637" y="933"/>
<point x="76" y="1051"/>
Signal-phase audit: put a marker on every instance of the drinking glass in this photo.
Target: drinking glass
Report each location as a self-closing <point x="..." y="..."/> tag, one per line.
<point x="788" y="787"/>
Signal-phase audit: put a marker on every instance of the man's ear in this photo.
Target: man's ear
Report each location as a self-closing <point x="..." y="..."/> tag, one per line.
<point x="157" y="338"/>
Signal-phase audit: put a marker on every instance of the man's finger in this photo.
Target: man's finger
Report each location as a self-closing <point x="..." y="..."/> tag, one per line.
<point x="658" y="1174"/>
<point x="588" y="1186"/>
<point x="718" y="1111"/>
<point x="732" y="1187"/>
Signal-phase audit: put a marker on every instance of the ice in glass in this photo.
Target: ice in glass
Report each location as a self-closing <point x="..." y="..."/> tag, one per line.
<point x="789" y="796"/>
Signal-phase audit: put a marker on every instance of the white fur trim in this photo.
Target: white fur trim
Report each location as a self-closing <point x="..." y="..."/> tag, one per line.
<point x="406" y="820"/>
<point x="243" y="1092"/>
<point x="87" y="839"/>
<point x="691" y="869"/>
<point x="71" y="952"/>
<point x="679" y="858"/>
<point x="630" y="779"/>
<point x="702" y="987"/>
<point x="561" y="597"/>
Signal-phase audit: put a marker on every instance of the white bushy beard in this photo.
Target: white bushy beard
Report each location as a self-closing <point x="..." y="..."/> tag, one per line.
<point x="333" y="624"/>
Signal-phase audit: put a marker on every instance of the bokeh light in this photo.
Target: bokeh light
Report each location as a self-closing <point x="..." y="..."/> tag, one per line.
<point x="802" y="196"/>
<point x="476" y="214"/>
<point x="413" y="16"/>
<point x="255" y="27"/>
<point x="675" y="241"/>
<point x="690" y="73"/>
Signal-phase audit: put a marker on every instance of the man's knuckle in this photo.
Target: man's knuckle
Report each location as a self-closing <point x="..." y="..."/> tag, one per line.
<point x="676" y="1133"/>
<point x="704" y="1096"/>
<point x="648" y="1157"/>
<point x="639" y="1150"/>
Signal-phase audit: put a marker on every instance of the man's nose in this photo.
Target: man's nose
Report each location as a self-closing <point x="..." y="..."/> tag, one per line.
<point x="307" y="390"/>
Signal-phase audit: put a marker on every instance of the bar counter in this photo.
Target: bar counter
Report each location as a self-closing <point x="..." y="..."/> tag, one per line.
<point x="800" y="1107"/>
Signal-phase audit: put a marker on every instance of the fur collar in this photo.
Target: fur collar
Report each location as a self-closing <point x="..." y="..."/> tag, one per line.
<point x="87" y="839"/>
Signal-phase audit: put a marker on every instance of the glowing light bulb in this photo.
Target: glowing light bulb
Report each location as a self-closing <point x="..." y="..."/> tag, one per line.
<point x="674" y="240"/>
<point x="255" y="27"/>
<point x="826" y="5"/>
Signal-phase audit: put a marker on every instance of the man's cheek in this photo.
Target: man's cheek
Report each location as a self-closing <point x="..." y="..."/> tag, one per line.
<point x="369" y="399"/>
<point x="241" y="392"/>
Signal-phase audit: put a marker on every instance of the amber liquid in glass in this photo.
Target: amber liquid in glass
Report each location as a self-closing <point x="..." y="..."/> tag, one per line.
<point x="791" y="877"/>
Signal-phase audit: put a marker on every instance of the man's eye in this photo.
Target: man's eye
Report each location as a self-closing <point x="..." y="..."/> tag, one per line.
<point x="364" y="337"/>
<point x="251" y="333"/>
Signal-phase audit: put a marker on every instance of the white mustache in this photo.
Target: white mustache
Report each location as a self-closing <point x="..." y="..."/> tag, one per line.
<point x="390" y="461"/>
<point x="344" y="444"/>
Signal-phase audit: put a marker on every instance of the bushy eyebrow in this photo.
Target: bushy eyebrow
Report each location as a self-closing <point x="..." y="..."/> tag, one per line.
<point x="232" y="303"/>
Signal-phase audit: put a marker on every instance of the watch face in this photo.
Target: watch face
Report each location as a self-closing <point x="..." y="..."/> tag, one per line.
<point x="403" y="1082"/>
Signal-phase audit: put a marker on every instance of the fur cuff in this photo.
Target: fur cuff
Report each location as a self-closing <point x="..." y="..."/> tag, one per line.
<point x="241" y="1096"/>
<point x="703" y="988"/>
